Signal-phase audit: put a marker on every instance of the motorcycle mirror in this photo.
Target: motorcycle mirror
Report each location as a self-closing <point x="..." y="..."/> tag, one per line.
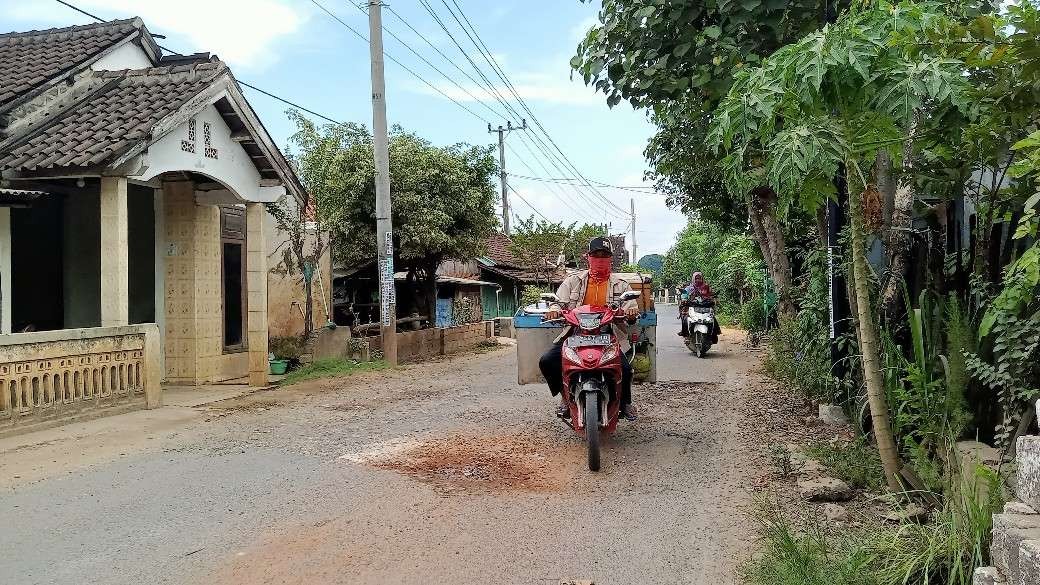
<point x="631" y="295"/>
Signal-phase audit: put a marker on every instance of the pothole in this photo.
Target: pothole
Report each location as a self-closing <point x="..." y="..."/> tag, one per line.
<point x="483" y="463"/>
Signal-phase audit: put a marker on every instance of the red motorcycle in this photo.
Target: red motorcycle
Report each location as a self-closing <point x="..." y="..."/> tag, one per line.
<point x="592" y="370"/>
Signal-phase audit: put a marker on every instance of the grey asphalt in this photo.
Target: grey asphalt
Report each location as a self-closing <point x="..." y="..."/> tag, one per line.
<point x="307" y="485"/>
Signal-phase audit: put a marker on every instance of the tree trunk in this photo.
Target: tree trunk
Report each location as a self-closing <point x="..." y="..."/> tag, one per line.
<point x="761" y="203"/>
<point x="429" y="283"/>
<point x="899" y="232"/>
<point x="308" y="325"/>
<point x="866" y="326"/>
<point x="821" y="225"/>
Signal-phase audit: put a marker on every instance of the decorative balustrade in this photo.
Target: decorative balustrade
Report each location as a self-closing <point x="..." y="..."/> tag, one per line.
<point x="61" y="374"/>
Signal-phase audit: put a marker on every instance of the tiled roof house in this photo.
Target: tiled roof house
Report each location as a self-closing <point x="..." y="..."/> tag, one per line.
<point x="133" y="232"/>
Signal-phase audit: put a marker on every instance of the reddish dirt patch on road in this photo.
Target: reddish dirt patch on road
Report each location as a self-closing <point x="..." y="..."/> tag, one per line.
<point x="489" y="463"/>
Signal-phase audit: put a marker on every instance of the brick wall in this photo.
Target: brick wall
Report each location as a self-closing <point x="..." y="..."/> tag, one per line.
<point x="1016" y="532"/>
<point x="428" y="343"/>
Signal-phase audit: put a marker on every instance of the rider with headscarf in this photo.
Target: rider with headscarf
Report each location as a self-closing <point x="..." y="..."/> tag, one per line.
<point x="697" y="290"/>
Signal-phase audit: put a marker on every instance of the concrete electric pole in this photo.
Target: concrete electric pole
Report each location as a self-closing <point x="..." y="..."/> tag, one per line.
<point x="635" y="257"/>
<point x="384" y="223"/>
<point x="502" y="167"/>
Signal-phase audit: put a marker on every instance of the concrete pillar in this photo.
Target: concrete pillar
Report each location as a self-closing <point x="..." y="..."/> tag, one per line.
<point x="115" y="258"/>
<point x="256" y="287"/>
<point x="153" y="372"/>
<point x="5" y="269"/>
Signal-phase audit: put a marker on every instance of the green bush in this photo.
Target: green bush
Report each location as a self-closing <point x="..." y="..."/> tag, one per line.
<point x="286" y="348"/>
<point x="752" y="315"/>
<point x="856" y="463"/>
<point x="531" y="294"/>
<point x="800" y="359"/>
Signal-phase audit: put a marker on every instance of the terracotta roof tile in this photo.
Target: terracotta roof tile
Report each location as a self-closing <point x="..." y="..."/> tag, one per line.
<point x="498" y="251"/>
<point x="28" y="59"/>
<point x="112" y="120"/>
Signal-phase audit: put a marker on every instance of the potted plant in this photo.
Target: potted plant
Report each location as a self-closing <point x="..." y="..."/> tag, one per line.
<point x="283" y="351"/>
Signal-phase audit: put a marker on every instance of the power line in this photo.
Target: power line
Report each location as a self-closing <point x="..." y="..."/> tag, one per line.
<point x="240" y="82"/>
<point x="432" y="66"/>
<point x="398" y="63"/>
<point x="498" y="97"/>
<point x="81" y="11"/>
<point x="539" y="143"/>
<point x="436" y="49"/>
<point x="485" y="52"/>
<point x="533" y="208"/>
<point x="553" y="188"/>
<point x="287" y="102"/>
<point x="569" y="180"/>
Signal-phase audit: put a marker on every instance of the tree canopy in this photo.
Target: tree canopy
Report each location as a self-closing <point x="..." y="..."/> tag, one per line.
<point x="443" y="197"/>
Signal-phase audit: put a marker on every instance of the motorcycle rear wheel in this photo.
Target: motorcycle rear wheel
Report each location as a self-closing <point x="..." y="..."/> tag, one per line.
<point x="592" y="429"/>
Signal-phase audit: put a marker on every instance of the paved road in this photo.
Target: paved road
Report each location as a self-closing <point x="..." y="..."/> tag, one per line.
<point x="440" y="473"/>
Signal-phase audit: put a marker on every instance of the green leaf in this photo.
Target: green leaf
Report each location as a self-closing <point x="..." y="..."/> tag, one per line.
<point x="713" y="32"/>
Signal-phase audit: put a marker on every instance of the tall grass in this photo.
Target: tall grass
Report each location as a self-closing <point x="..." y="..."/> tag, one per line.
<point x="857" y="464"/>
<point x="945" y="550"/>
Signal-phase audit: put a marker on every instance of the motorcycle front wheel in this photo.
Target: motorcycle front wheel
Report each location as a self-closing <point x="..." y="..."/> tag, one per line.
<point x="592" y="429"/>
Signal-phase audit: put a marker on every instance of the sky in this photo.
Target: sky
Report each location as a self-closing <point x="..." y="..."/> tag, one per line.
<point x="293" y="49"/>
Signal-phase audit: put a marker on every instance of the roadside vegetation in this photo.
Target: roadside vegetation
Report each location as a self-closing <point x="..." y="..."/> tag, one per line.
<point x="331" y="368"/>
<point x="916" y="122"/>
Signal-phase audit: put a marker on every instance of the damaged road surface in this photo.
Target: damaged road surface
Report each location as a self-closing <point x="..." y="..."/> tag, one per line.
<point x="447" y="472"/>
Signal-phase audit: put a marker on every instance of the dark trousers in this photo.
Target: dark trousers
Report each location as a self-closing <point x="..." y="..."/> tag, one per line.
<point x="551" y="365"/>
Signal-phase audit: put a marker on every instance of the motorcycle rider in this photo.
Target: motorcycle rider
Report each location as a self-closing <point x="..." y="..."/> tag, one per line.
<point x="597" y="287"/>
<point x="698" y="287"/>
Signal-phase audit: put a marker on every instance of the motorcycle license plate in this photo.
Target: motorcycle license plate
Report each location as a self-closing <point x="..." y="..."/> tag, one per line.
<point x="588" y="340"/>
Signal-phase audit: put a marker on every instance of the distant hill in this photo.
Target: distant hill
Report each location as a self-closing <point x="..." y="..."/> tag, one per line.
<point x="652" y="262"/>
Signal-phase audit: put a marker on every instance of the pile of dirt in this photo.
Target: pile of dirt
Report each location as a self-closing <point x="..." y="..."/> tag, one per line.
<point x="483" y="463"/>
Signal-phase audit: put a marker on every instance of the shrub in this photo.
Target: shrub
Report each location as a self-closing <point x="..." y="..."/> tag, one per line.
<point x="799" y="359"/>
<point x="856" y="463"/>
<point x="286" y="348"/>
<point x="531" y="294"/>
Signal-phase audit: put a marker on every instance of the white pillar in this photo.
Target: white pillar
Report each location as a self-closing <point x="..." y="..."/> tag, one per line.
<point x="256" y="299"/>
<point x="115" y="260"/>
<point x="5" y="269"/>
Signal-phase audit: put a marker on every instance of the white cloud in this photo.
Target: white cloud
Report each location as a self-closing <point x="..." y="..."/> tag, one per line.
<point x="241" y="32"/>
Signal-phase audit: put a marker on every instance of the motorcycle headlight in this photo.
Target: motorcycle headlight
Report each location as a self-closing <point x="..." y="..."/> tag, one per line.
<point x="608" y="354"/>
<point x="571" y="355"/>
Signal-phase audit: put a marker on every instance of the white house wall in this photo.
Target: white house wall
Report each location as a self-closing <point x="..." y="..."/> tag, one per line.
<point x="126" y="56"/>
<point x="227" y="162"/>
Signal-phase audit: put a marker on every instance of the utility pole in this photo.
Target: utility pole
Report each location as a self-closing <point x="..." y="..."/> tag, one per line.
<point x="384" y="223"/>
<point x="635" y="257"/>
<point x="502" y="166"/>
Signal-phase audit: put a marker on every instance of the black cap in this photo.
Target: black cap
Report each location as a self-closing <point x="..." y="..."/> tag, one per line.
<point x="600" y="245"/>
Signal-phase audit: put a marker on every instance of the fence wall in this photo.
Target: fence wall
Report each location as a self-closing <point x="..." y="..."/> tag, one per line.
<point x="55" y="377"/>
